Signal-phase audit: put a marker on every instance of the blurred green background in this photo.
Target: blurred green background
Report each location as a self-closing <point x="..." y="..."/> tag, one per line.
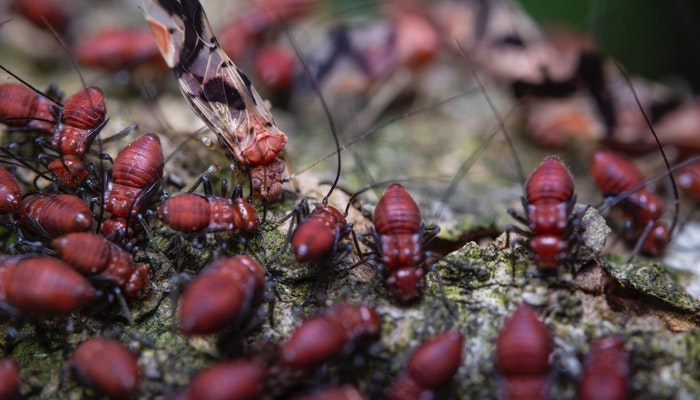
<point x="656" y="39"/>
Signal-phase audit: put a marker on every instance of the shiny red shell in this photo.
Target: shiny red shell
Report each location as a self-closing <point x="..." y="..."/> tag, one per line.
<point x="416" y="40"/>
<point x="437" y="360"/>
<point x="523" y="345"/>
<point x="398" y="238"/>
<point x="230" y="380"/>
<point x="93" y="255"/>
<point x="57" y="214"/>
<point x="108" y="367"/>
<point x="116" y="227"/>
<point x="21" y="107"/>
<point x="326" y="335"/>
<point x="396" y="212"/>
<point x="10" y="194"/>
<point x="551" y="182"/>
<point x="43" y="12"/>
<point x="82" y="113"/>
<point x="317" y="236"/>
<point x="136" y="168"/>
<point x="194" y="213"/>
<point x="68" y="170"/>
<point x="85" y="110"/>
<point x="274" y="67"/>
<point x="9" y="379"/>
<point x="549" y="197"/>
<point x="239" y="38"/>
<point x="430" y="367"/>
<point x="220" y="295"/>
<point x="606" y="371"/>
<point x="117" y="49"/>
<point x="688" y="179"/>
<point x="615" y="175"/>
<point x="43" y="286"/>
<point x="281" y="11"/>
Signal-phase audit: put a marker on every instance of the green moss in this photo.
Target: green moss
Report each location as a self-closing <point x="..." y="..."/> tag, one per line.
<point x="653" y="279"/>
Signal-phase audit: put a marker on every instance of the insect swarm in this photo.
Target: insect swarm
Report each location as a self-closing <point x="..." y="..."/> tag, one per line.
<point x="476" y="306"/>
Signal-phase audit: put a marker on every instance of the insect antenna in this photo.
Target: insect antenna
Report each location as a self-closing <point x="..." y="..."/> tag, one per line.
<point x="29" y="85"/>
<point x="499" y="117"/>
<point x="324" y="105"/>
<point x="674" y="186"/>
<point x="381" y="126"/>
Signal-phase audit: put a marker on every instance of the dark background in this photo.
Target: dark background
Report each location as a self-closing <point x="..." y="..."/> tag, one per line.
<point x="656" y="39"/>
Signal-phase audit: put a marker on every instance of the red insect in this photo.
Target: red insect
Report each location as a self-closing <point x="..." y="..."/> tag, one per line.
<point x="345" y="392"/>
<point x="107" y="367"/>
<point x="523" y="347"/>
<point x="688" y="179"/>
<point x="416" y="41"/>
<point x="614" y="175"/>
<point x="399" y="235"/>
<point x="239" y="379"/>
<point x="192" y="213"/>
<point x="9" y="379"/>
<point x="548" y="202"/>
<point x="117" y="49"/>
<point x="136" y="174"/>
<point x="54" y="214"/>
<point x="219" y="93"/>
<point x="282" y="11"/>
<point x="21" y="108"/>
<point x="274" y="66"/>
<point x="220" y="296"/>
<point x="329" y="334"/>
<point x="240" y="37"/>
<point x="606" y="372"/>
<point x="254" y="25"/>
<point x="316" y="237"/>
<point x="10" y="194"/>
<point x="430" y="367"/>
<point x="411" y="42"/>
<point x="94" y="256"/>
<point x="43" y="286"/>
<point x="44" y="14"/>
<point x="82" y="120"/>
